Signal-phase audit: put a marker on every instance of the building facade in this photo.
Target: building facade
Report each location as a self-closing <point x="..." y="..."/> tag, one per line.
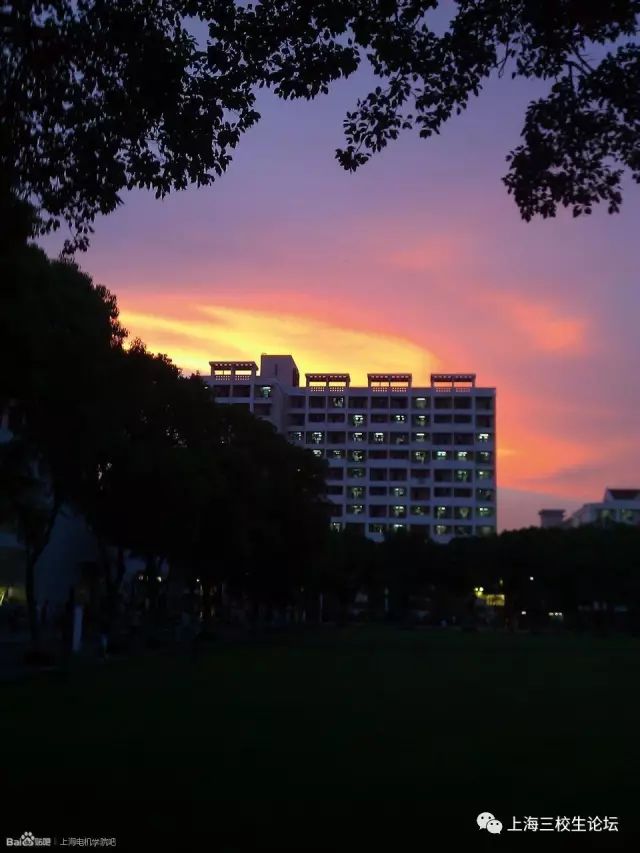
<point x="398" y="456"/>
<point x="618" y="506"/>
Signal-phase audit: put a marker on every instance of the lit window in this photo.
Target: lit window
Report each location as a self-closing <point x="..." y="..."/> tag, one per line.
<point x="337" y="402"/>
<point x="317" y="453"/>
<point x="399" y="492"/>
<point x="463" y="476"/>
<point x="420" y="402"/>
<point x="420" y="436"/>
<point x="378" y="437"/>
<point x="356" y="472"/>
<point x="462" y="455"/>
<point x="357" y="455"/>
<point x="399" y="419"/>
<point x="295" y="436"/>
<point x="483" y="436"/>
<point x="419" y="456"/>
<point x="356" y="491"/>
<point x="357" y="420"/>
<point x="441" y="454"/>
<point x="335" y="525"/>
<point x="317" y="437"/>
<point x="264" y="390"/>
<point x="337" y="454"/>
<point x="463" y="512"/>
<point x="358" y="436"/>
<point x="485" y="474"/>
<point x="484" y="455"/>
<point x="486" y="530"/>
<point x="485" y="511"/>
<point x="417" y="510"/>
<point x="442" y="512"/>
<point x="399" y="511"/>
<point x="355" y="509"/>
<point x="441" y="529"/>
<point x="399" y="526"/>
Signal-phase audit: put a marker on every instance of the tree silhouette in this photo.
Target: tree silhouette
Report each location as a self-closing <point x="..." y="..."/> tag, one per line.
<point x="58" y="335"/>
<point x="97" y="98"/>
<point x="142" y="453"/>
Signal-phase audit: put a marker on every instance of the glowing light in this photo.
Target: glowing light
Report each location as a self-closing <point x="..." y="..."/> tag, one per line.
<point x="192" y="334"/>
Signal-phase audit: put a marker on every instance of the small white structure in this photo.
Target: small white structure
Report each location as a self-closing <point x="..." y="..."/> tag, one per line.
<point x="620" y="506"/>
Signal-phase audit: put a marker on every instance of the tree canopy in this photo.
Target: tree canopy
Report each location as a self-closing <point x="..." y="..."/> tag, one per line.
<point x="142" y="453"/>
<point x="97" y="98"/>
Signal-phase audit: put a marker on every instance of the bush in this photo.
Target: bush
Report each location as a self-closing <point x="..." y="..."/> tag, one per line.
<point x="38" y="657"/>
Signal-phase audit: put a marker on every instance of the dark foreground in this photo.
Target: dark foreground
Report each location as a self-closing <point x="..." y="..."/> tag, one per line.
<point x="355" y="739"/>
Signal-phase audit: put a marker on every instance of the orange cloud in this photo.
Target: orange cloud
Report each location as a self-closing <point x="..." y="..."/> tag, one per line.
<point x="534" y="451"/>
<point x="198" y="333"/>
<point x="544" y="325"/>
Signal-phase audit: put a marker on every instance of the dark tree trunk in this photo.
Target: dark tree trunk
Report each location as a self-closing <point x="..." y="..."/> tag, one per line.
<point x="206" y="605"/>
<point x="32" y="605"/>
<point x="33" y="555"/>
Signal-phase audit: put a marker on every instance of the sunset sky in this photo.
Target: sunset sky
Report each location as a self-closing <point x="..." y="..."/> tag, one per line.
<point x="417" y="262"/>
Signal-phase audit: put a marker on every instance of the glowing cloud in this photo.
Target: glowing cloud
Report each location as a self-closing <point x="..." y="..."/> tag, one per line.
<point x="544" y="324"/>
<point x="195" y="334"/>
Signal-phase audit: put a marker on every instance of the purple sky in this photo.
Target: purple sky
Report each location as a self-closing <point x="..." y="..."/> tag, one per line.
<point x="419" y="260"/>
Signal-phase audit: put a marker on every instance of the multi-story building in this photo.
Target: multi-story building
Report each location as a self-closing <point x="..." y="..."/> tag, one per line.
<point x="618" y="506"/>
<point x="399" y="456"/>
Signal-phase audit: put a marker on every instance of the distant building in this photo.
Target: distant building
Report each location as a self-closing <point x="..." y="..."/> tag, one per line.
<point x="71" y="546"/>
<point x="399" y="456"/>
<point x="551" y="517"/>
<point x="619" y="506"/>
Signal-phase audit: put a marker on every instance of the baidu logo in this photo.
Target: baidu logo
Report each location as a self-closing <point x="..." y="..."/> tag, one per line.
<point x="487" y="821"/>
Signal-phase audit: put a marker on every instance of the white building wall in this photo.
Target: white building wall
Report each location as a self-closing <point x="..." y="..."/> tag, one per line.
<point x="399" y="456"/>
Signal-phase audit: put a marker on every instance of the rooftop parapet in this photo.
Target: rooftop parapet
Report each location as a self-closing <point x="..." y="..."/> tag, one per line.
<point x="389" y="381"/>
<point x="453" y="381"/>
<point x="232" y="370"/>
<point x="332" y="381"/>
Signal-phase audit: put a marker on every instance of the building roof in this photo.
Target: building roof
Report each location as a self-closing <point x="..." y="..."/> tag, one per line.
<point x="389" y="377"/>
<point x="328" y="377"/>
<point x="624" y="494"/>
<point x="453" y="377"/>
<point x="238" y="365"/>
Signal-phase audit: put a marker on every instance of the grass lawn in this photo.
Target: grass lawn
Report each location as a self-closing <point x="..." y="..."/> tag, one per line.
<point x="348" y="739"/>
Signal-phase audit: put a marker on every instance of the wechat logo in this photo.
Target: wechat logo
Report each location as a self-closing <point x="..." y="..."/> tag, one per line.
<point x="487" y="821"/>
